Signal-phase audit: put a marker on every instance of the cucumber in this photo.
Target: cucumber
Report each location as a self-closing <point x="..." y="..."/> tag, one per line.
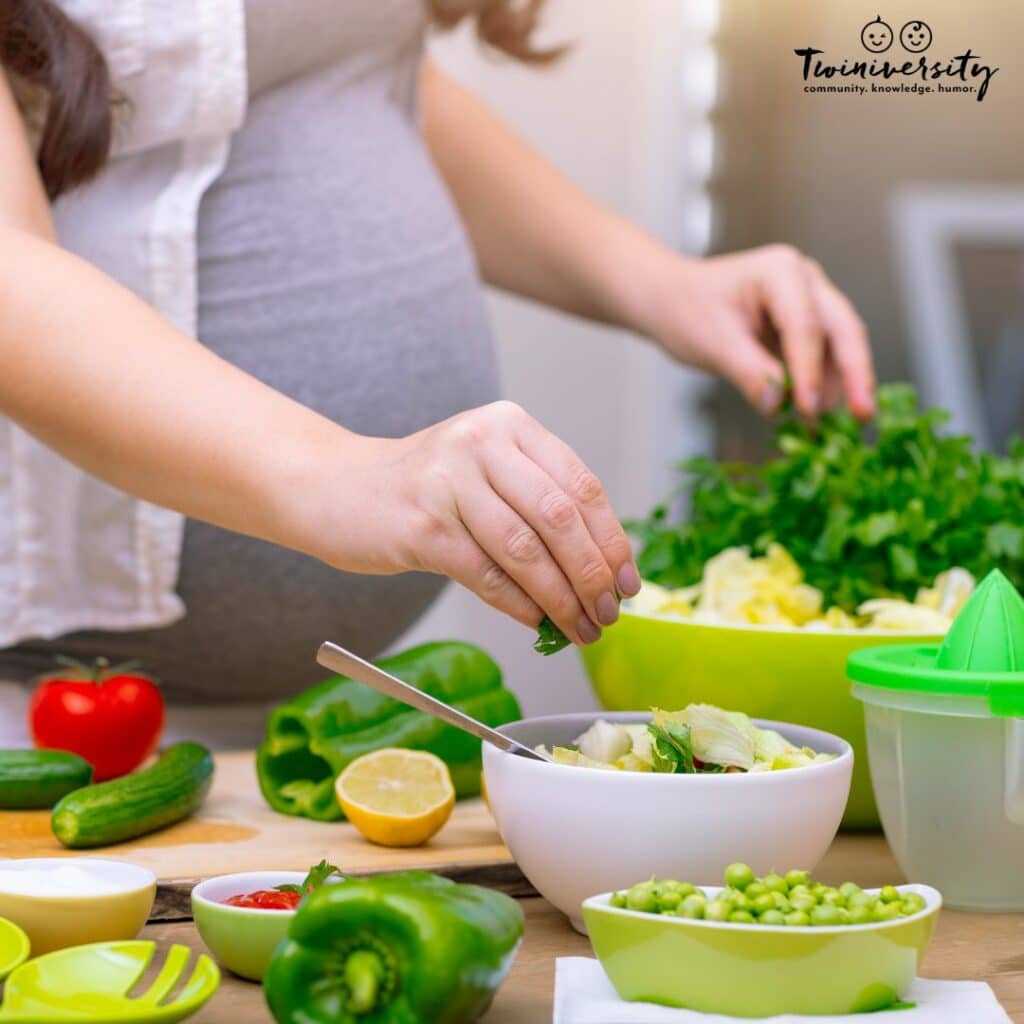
<point x="136" y="804"/>
<point x="34" y="779"/>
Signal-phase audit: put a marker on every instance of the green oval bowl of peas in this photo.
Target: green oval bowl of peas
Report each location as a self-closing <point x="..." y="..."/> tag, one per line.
<point x="758" y="947"/>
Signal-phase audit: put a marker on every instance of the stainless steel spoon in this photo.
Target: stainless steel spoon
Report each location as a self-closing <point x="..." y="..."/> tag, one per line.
<point x="337" y="659"/>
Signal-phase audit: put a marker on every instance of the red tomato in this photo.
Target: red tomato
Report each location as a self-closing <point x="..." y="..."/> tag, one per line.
<point x="110" y="716"/>
<point x="266" y="899"/>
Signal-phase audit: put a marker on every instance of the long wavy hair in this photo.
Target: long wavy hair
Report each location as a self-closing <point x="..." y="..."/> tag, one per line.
<point x="47" y="52"/>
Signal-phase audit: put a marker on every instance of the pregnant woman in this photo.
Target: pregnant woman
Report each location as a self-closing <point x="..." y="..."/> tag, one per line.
<point x="296" y="187"/>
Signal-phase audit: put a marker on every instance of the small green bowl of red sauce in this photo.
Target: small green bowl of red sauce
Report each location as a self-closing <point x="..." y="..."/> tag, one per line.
<point x="243" y="917"/>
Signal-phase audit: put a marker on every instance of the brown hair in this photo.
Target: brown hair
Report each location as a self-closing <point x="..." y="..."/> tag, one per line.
<point x="46" y="51"/>
<point x="506" y="25"/>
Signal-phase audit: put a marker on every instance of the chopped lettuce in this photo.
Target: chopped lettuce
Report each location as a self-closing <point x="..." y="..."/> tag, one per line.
<point x="700" y="739"/>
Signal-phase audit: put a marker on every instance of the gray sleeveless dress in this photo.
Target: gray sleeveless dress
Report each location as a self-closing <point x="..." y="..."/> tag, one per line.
<point x="332" y="266"/>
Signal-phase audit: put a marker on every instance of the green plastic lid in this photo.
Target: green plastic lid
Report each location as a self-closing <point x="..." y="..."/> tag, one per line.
<point x="982" y="655"/>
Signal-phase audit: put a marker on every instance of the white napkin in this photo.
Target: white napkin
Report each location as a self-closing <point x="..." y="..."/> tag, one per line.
<point x="584" y="995"/>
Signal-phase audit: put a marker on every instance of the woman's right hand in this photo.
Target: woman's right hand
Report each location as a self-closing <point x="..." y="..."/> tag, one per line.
<point x="499" y="504"/>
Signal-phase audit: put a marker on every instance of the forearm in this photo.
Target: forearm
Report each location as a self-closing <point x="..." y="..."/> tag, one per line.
<point x="535" y="233"/>
<point x="96" y="374"/>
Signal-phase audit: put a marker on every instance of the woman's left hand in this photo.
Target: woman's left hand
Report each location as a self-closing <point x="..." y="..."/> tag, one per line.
<point x="752" y="316"/>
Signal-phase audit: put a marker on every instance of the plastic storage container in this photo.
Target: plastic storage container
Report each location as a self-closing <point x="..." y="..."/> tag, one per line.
<point x="945" y="731"/>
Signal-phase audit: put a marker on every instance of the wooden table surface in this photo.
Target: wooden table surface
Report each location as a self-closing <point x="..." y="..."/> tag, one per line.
<point x="968" y="946"/>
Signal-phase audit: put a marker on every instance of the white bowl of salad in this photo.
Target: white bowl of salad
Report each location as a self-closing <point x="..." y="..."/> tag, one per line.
<point x="672" y="794"/>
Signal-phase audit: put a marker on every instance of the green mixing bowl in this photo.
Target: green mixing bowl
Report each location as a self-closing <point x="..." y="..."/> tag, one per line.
<point x="753" y="970"/>
<point x="788" y="675"/>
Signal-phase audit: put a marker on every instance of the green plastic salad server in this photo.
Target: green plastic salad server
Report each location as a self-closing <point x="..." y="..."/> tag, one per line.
<point x="13" y="947"/>
<point x="93" y="983"/>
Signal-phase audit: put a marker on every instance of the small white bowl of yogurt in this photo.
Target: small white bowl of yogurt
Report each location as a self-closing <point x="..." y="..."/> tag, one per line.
<point x="71" y="901"/>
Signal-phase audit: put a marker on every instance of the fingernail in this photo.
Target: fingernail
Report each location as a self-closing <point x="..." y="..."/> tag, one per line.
<point x="629" y="580"/>
<point x="588" y="632"/>
<point x="771" y="397"/>
<point x="607" y="608"/>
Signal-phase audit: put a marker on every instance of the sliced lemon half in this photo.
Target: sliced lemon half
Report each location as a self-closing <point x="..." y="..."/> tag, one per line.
<point x="396" y="797"/>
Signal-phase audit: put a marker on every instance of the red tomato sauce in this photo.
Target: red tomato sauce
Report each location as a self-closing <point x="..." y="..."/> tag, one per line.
<point x="265" y="899"/>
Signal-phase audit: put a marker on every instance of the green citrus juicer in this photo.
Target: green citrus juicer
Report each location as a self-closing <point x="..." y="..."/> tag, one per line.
<point x="945" y="727"/>
<point x="14" y="947"/>
<point x="92" y="983"/>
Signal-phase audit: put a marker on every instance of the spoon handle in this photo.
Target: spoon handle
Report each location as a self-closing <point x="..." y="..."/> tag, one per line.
<point x="351" y="665"/>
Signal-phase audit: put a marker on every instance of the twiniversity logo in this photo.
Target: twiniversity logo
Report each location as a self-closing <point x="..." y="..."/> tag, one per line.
<point x="911" y="69"/>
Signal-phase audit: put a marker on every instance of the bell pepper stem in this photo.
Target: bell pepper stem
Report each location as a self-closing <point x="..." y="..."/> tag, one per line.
<point x="364" y="972"/>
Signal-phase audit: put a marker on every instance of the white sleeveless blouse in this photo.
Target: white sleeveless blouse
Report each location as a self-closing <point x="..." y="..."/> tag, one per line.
<point x="76" y="553"/>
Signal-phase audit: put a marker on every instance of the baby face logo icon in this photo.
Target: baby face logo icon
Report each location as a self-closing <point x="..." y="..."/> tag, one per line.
<point x="916" y="36"/>
<point x="877" y="35"/>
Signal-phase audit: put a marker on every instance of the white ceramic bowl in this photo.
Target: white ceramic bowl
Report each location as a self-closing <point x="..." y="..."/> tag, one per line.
<point x="576" y="832"/>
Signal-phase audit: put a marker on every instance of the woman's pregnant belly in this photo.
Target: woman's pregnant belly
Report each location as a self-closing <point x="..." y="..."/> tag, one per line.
<point x="333" y="267"/>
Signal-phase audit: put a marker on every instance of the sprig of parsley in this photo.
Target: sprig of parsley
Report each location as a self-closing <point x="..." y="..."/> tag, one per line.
<point x="315" y="879"/>
<point x="550" y="639"/>
<point x="865" y="511"/>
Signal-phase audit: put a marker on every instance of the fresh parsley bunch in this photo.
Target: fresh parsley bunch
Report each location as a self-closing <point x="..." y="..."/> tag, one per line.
<point x="865" y="511"/>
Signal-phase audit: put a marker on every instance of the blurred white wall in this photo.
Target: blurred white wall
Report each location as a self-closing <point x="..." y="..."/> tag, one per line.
<point x="612" y="115"/>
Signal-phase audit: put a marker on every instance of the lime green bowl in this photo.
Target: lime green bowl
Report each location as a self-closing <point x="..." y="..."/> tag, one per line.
<point x="788" y="675"/>
<point x="750" y="970"/>
<point x="243" y="939"/>
<point x="14" y="947"/>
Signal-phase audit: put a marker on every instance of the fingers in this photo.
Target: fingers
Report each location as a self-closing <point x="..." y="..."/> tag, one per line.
<point x="786" y="293"/>
<point x="743" y="359"/>
<point x="848" y="342"/>
<point x="467" y="563"/>
<point x="556" y="522"/>
<point x="584" y="490"/>
<point x="516" y="547"/>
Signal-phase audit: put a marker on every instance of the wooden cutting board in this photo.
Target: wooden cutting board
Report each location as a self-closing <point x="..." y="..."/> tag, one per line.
<point x="235" y="830"/>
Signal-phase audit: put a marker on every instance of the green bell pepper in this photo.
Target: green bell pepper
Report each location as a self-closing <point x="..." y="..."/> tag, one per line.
<point x="409" y="948"/>
<point x="312" y="738"/>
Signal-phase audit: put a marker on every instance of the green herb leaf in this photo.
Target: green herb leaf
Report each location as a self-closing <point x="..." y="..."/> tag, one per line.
<point x="550" y="639"/>
<point x="317" y="877"/>
<point x="673" y="748"/>
<point x="865" y="511"/>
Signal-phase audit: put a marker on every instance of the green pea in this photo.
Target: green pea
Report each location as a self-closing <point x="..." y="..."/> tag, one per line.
<point x="781" y="902"/>
<point x="803" y="903"/>
<point x="832" y="898"/>
<point x="801" y="890"/>
<point x="889" y="894"/>
<point x="772" y="917"/>
<point x="860" y="899"/>
<point x="716" y="910"/>
<point x="859" y="914"/>
<point x="754" y="890"/>
<point x="739" y="876"/>
<point x="797" y="919"/>
<point x="618" y="899"/>
<point x="818" y="890"/>
<point x="733" y="897"/>
<point x="795" y="878"/>
<point x="913" y="903"/>
<point x="774" y="883"/>
<point x="848" y="889"/>
<point x="884" y="912"/>
<point x="693" y="906"/>
<point x="642" y="898"/>
<point x="763" y="903"/>
<point x="741" y="917"/>
<point x="844" y="915"/>
<point x="669" y="900"/>
<point x="825" y="915"/>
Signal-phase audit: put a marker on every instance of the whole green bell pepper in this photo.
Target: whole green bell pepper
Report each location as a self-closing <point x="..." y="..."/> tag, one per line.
<point x="409" y="948"/>
<point x="312" y="738"/>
